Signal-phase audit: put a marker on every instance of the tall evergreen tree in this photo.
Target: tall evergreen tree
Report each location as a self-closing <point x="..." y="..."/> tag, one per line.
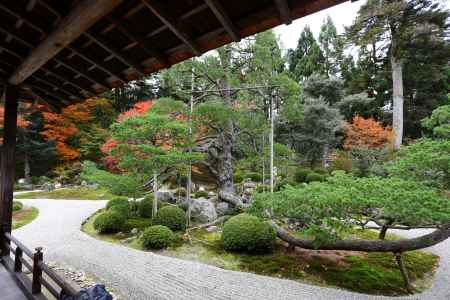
<point x="332" y="47"/>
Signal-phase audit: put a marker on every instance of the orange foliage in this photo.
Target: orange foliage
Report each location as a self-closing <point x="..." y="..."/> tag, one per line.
<point x="138" y="109"/>
<point x="367" y="134"/>
<point x="60" y="127"/>
<point x="21" y="122"/>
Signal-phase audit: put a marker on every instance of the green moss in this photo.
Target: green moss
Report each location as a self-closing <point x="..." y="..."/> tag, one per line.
<point x="24" y="217"/>
<point x="73" y="193"/>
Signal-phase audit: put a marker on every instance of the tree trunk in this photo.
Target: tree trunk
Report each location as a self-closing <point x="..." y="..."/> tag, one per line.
<point x="404" y="271"/>
<point x="397" y="87"/>
<point x="155" y="198"/>
<point x="27" y="169"/>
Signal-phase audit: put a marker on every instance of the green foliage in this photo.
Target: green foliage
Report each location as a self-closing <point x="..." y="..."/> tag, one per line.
<point x="253" y="176"/>
<point x="330" y="89"/>
<point x="139" y="223"/>
<point x="116" y="201"/>
<point x="180" y="192"/>
<point x="300" y="175"/>
<point x="124" y="208"/>
<point x="172" y="217"/>
<point x="364" y="161"/>
<point x="109" y="222"/>
<point x="247" y="233"/>
<point x="326" y="207"/>
<point x="439" y="122"/>
<point x="426" y="161"/>
<point x="157" y="237"/>
<point x="71" y="193"/>
<point x="201" y="194"/>
<point x="311" y="177"/>
<point x="145" y="207"/>
<point x="17" y="206"/>
<point x="122" y="185"/>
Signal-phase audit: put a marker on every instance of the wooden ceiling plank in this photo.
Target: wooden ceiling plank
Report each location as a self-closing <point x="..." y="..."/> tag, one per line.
<point x="83" y="16"/>
<point x="68" y="81"/>
<point x="140" y="40"/>
<point x="218" y="10"/>
<point x="45" y="91"/>
<point x="22" y="18"/>
<point x="161" y="13"/>
<point x="56" y="87"/>
<point x="284" y="11"/>
<point x="114" y="50"/>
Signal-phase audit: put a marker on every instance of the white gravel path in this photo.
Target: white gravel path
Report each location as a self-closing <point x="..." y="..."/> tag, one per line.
<point x="143" y="275"/>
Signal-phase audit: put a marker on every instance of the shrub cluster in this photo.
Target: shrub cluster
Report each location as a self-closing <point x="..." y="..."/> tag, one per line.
<point x="314" y="177"/>
<point x="145" y="207"/>
<point x="157" y="237"/>
<point x="308" y="175"/>
<point x="116" y="201"/>
<point x="172" y="217"/>
<point x="110" y="222"/>
<point x="139" y="223"/>
<point x="17" y="206"/>
<point x="201" y="194"/>
<point x="247" y="233"/>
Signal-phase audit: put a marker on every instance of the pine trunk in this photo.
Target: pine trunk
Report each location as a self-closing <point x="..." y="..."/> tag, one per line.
<point x="397" y="87"/>
<point x="27" y="168"/>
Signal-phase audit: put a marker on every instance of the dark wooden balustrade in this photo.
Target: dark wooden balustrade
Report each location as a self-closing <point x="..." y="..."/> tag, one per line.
<point x="41" y="275"/>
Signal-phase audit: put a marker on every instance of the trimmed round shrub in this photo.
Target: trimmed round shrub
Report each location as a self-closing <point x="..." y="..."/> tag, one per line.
<point x="119" y="200"/>
<point x="201" y="194"/>
<point x="314" y="177"/>
<point x="172" y="217"/>
<point x="157" y="237"/>
<point x="124" y="208"/>
<point x="321" y="171"/>
<point x="145" y="207"/>
<point x="17" y="206"/>
<point x="180" y="192"/>
<point x="253" y="176"/>
<point x="109" y="222"/>
<point x="300" y="175"/>
<point x="139" y="223"/>
<point x="246" y="233"/>
<point x="237" y="177"/>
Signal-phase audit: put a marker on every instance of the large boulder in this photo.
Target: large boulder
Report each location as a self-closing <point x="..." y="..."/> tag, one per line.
<point x="203" y="210"/>
<point x="222" y="208"/>
<point x="166" y="196"/>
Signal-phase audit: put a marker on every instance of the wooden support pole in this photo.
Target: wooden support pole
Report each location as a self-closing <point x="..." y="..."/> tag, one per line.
<point x="223" y="18"/>
<point x="8" y="163"/>
<point x="38" y="258"/>
<point x="83" y="16"/>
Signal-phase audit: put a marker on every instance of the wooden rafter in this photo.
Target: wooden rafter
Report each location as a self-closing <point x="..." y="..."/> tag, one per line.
<point x="140" y="40"/>
<point x="283" y="10"/>
<point x="114" y="50"/>
<point x="223" y="18"/>
<point x="22" y="18"/>
<point x="68" y="81"/>
<point x="56" y="87"/>
<point x="54" y="95"/>
<point x="83" y="16"/>
<point x="161" y="13"/>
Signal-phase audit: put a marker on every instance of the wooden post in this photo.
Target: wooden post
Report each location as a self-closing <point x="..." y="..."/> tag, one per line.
<point x="17" y="260"/>
<point x="38" y="257"/>
<point x="8" y="163"/>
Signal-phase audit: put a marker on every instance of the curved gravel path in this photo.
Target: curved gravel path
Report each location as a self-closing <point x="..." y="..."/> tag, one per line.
<point x="143" y="275"/>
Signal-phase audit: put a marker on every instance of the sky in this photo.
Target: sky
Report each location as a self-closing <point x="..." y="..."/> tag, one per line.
<point x="342" y="15"/>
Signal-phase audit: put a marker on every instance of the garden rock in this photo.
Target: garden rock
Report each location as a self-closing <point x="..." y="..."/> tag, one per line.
<point x="134" y="231"/>
<point x="222" y="208"/>
<point x="166" y="196"/>
<point x="212" y="229"/>
<point x="249" y="185"/>
<point x="203" y="210"/>
<point x="211" y="194"/>
<point x="58" y="185"/>
<point x="48" y="186"/>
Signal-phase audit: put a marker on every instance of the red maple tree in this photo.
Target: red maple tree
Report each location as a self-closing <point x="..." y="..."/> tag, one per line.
<point x="367" y="134"/>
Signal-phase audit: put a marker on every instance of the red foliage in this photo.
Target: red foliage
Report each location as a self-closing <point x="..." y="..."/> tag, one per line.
<point x="367" y="134"/>
<point x="60" y="127"/>
<point x="138" y="109"/>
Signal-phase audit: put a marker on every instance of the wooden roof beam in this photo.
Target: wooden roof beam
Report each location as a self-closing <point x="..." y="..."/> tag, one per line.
<point x="161" y="13"/>
<point x="223" y="18"/>
<point x="115" y="51"/>
<point x="284" y="11"/>
<point x="83" y="16"/>
<point x="68" y="81"/>
<point x="140" y="40"/>
<point x="57" y="88"/>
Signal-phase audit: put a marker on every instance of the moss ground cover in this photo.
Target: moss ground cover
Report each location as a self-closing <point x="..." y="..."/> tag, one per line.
<point x="24" y="216"/>
<point x="72" y="193"/>
<point x="372" y="273"/>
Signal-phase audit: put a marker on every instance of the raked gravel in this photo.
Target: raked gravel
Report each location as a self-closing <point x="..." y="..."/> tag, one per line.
<point x="144" y="275"/>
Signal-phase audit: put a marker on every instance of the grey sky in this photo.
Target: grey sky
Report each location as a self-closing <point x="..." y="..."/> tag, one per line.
<point x="342" y="15"/>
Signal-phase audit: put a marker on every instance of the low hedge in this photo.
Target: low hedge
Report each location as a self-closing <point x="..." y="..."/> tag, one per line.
<point x="300" y="175"/>
<point x="172" y="217"/>
<point x="315" y="177"/>
<point x="246" y="233"/>
<point x="201" y="194"/>
<point x="17" y="206"/>
<point x="139" y="223"/>
<point x="109" y="222"/>
<point x="157" y="237"/>
<point x="119" y="200"/>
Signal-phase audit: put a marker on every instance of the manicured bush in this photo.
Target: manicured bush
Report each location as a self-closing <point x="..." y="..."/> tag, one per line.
<point x="157" y="237"/>
<point x="253" y="176"/>
<point x="139" y="223"/>
<point x="145" y="207"/>
<point x="300" y="175"/>
<point x="262" y="187"/>
<point x="119" y="200"/>
<point x="17" y="206"/>
<point x="172" y="217"/>
<point x="109" y="222"/>
<point x="181" y="192"/>
<point x="246" y="233"/>
<point x="201" y="194"/>
<point x="124" y="208"/>
<point x="237" y="177"/>
<point x="314" y="177"/>
<point x="321" y="171"/>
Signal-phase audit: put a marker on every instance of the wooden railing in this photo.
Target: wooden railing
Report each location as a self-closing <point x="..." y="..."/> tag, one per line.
<point x="40" y="272"/>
